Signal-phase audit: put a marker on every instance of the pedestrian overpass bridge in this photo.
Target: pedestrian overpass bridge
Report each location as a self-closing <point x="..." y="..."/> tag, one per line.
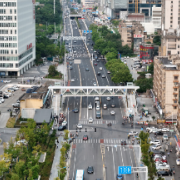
<point x="91" y="91"/>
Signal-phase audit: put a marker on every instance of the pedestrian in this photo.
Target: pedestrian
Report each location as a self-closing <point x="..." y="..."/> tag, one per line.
<point x="57" y="146"/>
<point x="168" y="153"/>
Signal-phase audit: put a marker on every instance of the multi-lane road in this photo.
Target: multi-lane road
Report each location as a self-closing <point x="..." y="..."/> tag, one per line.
<point x="103" y="148"/>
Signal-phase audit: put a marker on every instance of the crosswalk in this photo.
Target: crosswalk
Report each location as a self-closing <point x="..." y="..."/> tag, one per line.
<point x="97" y="122"/>
<point x="95" y="141"/>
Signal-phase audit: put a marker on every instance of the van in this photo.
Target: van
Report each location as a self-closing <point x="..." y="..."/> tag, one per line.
<point x="97" y="106"/>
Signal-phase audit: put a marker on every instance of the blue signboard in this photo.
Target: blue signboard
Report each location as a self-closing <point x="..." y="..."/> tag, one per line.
<point x="87" y="31"/>
<point x="141" y="129"/>
<point x="124" y="169"/>
<point x="84" y="10"/>
<point x="109" y="18"/>
<point x="90" y="31"/>
<point x="84" y="31"/>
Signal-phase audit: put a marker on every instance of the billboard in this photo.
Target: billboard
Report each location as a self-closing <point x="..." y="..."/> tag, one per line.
<point x="147" y="53"/>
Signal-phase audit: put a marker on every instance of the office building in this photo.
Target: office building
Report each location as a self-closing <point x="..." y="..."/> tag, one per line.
<point x="170" y="44"/>
<point x="17" y="36"/>
<point x="166" y="86"/>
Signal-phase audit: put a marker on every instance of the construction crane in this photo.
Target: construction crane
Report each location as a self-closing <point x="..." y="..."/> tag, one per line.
<point x="136" y="6"/>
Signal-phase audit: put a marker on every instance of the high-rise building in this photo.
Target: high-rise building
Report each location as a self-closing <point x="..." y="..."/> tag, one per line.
<point x="170" y="44"/>
<point x="17" y="36"/>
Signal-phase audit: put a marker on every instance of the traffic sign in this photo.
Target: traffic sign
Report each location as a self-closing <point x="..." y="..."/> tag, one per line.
<point x="84" y="10"/>
<point x="87" y="31"/>
<point x="141" y="129"/>
<point x="84" y="31"/>
<point x="90" y="31"/>
<point x="124" y="169"/>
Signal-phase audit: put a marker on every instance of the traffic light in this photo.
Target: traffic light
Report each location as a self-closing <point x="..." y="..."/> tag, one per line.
<point x="94" y="129"/>
<point x="85" y="129"/>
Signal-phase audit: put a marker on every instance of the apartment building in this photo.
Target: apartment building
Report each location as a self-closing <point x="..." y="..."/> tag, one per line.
<point x="170" y="44"/>
<point x="89" y="4"/>
<point x="130" y="31"/>
<point x="17" y="36"/>
<point x="166" y="86"/>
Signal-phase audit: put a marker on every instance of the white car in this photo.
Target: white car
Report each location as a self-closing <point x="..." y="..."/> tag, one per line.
<point x="104" y="106"/>
<point x="64" y="123"/>
<point x="1" y="99"/>
<point x="149" y="128"/>
<point x="79" y="126"/>
<point x="90" y="120"/>
<point x="157" y="146"/>
<point x="108" y="98"/>
<point x="94" y="84"/>
<point x="7" y="81"/>
<point x="165" y="129"/>
<point x="90" y="106"/>
<point x="178" y="161"/>
<point x="96" y="98"/>
<point x="15" y="88"/>
<point x="155" y="142"/>
<point x="8" y="93"/>
<point x="133" y="133"/>
<point x="113" y="113"/>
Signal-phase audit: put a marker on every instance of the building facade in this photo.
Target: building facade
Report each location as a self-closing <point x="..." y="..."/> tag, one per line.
<point x="166" y="86"/>
<point x="17" y="36"/>
<point x="170" y="44"/>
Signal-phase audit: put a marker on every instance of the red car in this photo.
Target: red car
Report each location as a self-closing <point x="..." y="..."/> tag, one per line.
<point x="161" y="160"/>
<point x="85" y="137"/>
<point x="95" y="64"/>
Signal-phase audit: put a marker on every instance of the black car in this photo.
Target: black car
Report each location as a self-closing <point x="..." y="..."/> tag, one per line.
<point x="61" y="128"/>
<point x="87" y="69"/>
<point x="90" y="170"/>
<point x="70" y="67"/>
<point x="76" y="110"/>
<point x="158" y="133"/>
<point x="98" y="73"/>
<point x="5" y="96"/>
<point x="164" y="173"/>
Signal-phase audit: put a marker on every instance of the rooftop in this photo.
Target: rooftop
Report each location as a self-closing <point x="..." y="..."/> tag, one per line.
<point x="42" y="115"/>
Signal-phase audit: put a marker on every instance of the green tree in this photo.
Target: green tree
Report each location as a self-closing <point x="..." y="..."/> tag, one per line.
<point x="19" y="168"/>
<point x="144" y="84"/>
<point x="111" y="55"/>
<point x="157" y="40"/>
<point x="14" y="176"/>
<point x="151" y="68"/>
<point x="115" y="22"/>
<point x="52" y="70"/>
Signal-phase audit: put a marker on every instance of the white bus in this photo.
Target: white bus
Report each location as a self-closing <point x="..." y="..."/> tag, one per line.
<point x="79" y="174"/>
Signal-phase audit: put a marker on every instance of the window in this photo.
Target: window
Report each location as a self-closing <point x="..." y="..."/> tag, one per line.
<point x="14" y="11"/>
<point x="175" y="101"/>
<point x="171" y="1"/>
<point x="171" y="17"/>
<point x="170" y="25"/>
<point x="175" y="95"/>
<point x="175" y="107"/>
<point x="10" y="11"/>
<point x="175" y="77"/>
<point x="11" y="32"/>
<point x="171" y="22"/>
<point x="175" y="89"/>
<point x="171" y="13"/>
<point x="15" y="18"/>
<point x="178" y="52"/>
<point x="11" y="51"/>
<point x="15" y="51"/>
<point x="15" y="31"/>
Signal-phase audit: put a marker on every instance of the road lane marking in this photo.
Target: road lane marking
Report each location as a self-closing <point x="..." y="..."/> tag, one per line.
<point x="114" y="165"/>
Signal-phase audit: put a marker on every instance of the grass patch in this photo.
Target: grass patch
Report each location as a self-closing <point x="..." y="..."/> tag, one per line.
<point x="11" y="122"/>
<point x="54" y="77"/>
<point x="116" y="30"/>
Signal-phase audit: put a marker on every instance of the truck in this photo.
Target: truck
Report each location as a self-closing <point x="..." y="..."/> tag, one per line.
<point x="79" y="174"/>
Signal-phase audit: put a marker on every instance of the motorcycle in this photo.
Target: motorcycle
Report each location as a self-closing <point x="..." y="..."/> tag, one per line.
<point x="122" y="123"/>
<point x="109" y="124"/>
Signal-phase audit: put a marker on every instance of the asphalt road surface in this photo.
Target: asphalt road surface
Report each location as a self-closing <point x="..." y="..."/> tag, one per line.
<point x="89" y="153"/>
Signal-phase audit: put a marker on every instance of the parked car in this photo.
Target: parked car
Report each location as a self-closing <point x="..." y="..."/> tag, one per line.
<point x="164" y="173"/>
<point x="76" y="110"/>
<point x="23" y="89"/>
<point x="178" y="161"/>
<point x="157" y="146"/>
<point x="133" y="133"/>
<point x="61" y="128"/>
<point x="158" y="133"/>
<point x="165" y="137"/>
<point x="2" y="99"/>
<point x="104" y="106"/>
<point x="90" y="120"/>
<point x="155" y="142"/>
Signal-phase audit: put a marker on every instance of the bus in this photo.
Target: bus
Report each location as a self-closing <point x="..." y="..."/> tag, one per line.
<point x="79" y="174"/>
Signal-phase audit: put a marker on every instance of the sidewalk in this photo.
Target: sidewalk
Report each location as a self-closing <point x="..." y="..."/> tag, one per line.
<point x="56" y="161"/>
<point x="56" y="103"/>
<point x="63" y="69"/>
